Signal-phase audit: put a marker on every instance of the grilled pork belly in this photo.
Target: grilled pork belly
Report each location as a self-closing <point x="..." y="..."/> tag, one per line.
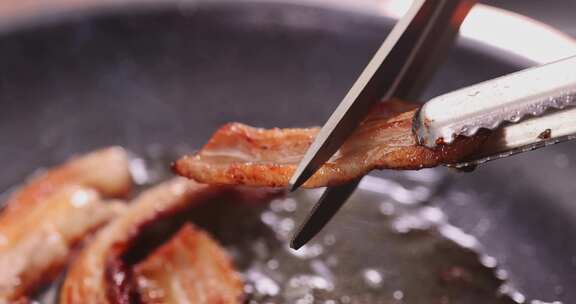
<point x="190" y="268"/>
<point x="238" y="154"/>
<point x="101" y="273"/>
<point x="45" y="219"/>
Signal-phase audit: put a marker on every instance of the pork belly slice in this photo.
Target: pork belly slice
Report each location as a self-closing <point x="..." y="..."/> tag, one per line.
<point x="238" y="154"/>
<point x="190" y="268"/>
<point x="34" y="250"/>
<point x="105" y="170"/>
<point x="101" y="273"/>
<point x="86" y="280"/>
<point x="44" y="220"/>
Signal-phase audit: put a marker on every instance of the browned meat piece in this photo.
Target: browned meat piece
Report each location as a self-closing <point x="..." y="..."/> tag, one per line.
<point x="99" y="274"/>
<point x="104" y="170"/>
<point x="239" y="154"/>
<point x="86" y="279"/>
<point x="45" y="219"/>
<point x="190" y="268"/>
<point x="35" y="250"/>
<point x="20" y="301"/>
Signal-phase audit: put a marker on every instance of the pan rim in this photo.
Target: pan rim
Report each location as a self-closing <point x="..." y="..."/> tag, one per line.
<point x="510" y="44"/>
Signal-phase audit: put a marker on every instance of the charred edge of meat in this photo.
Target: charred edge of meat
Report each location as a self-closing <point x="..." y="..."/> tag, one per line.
<point x="154" y="232"/>
<point x="190" y="249"/>
<point x="242" y="155"/>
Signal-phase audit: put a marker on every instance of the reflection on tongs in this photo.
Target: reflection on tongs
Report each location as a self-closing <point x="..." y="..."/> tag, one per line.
<point x="526" y="110"/>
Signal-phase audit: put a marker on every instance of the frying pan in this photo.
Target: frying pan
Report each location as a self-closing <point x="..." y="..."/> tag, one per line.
<point x="159" y="77"/>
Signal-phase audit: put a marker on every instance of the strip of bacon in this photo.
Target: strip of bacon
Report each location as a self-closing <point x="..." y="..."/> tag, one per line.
<point x="36" y="250"/>
<point x="45" y="219"/>
<point x="239" y="154"/>
<point x="190" y="268"/>
<point x="98" y="275"/>
<point x="104" y="170"/>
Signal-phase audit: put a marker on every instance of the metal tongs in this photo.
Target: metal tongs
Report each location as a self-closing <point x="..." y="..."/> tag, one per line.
<point x="526" y="110"/>
<point x="522" y="111"/>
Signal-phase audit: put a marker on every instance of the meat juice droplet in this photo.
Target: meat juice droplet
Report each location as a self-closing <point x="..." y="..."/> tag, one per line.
<point x="398" y="295"/>
<point x="373" y="278"/>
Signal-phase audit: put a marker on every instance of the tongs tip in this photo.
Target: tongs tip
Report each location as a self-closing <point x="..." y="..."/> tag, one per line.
<point x="297" y="242"/>
<point x="300" y="177"/>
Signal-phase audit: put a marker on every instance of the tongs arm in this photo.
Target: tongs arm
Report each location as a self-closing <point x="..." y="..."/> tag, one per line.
<point x="526" y="110"/>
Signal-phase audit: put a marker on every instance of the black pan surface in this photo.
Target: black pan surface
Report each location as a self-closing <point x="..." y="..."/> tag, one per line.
<point x="163" y="79"/>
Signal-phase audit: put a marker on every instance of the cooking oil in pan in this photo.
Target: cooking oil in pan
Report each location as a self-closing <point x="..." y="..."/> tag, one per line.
<point x="387" y="245"/>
